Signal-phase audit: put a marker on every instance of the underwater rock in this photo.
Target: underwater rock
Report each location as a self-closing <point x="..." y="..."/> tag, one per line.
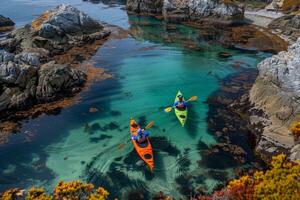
<point x="93" y="110"/>
<point x="224" y="55"/>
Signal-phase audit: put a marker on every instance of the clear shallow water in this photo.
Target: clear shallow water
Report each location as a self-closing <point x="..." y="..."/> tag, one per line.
<point x="148" y="70"/>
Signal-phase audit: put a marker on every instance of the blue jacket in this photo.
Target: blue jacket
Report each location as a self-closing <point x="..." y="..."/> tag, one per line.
<point x="140" y="134"/>
<point x="177" y="103"/>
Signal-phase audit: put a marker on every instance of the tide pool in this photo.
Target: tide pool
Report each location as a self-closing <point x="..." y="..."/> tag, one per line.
<point x="95" y="147"/>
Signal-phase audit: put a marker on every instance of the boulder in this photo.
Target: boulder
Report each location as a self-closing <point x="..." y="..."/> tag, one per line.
<point x="276" y="94"/>
<point x="4" y="21"/>
<point x="63" y="20"/>
<point x="55" y="80"/>
<point x="145" y="6"/>
<point x="189" y="10"/>
<point x="288" y="25"/>
<point x="5" y="56"/>
<point x="199" y="10"/>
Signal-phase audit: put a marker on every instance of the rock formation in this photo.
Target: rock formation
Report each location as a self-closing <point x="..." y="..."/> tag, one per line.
<point x="189" y="10"/>
<point x="288" y="25"/>
<point x="29" y="73"/>
<point x="6" y="21"/>
<point x="276" y="100"/>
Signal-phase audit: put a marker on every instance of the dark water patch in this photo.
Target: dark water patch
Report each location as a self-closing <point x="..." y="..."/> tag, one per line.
<point x="115" y="113"/>
<point x="17" y="168"/>
<point x="201" y="145"/>
<point x="220" y="160"/>
<point x="185" y="184"/>
<point x="161" y="143"/>
<point x="192" y="122"/>
<point x="118" y="159"/>
<point x="100" y="138"/>
<point x="116" y="182"/>
<point x="111" y="126"/>
<point x="131" y="158"/>
<point x="219" y="175"/>
<point x="183" y="162"/>
<point x="142" y="121"/>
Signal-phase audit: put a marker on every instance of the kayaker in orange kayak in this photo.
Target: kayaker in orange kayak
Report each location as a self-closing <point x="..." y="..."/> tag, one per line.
<point x="141" y="136"/>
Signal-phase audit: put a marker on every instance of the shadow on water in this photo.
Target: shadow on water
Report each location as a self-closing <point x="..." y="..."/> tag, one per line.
<point x="192" y="122"/>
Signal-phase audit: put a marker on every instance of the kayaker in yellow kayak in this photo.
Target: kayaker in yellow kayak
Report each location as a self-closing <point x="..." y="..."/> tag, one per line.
<point x="141" y="136"/>
<point x="180" y="104"/>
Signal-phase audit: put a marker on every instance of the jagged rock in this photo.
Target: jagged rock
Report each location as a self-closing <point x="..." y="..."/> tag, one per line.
<point x="28" y="58"/>
<point x="54" y="79"/>
<point x="5" y="56"/>
<point x="197" y="10"/>
<point x="25" y="79"/>
<point x="288" y="25"/>
<point x="4" y="21"/>
<point x="63" y="20"/>
<point x="9" y="72"/>
<point x="145" y="6"/>
<point x="276" y="94"/>
<point x="188" y="10"/>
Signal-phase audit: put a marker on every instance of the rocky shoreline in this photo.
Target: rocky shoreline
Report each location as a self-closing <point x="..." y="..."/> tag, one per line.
<point x="42" y="62"/>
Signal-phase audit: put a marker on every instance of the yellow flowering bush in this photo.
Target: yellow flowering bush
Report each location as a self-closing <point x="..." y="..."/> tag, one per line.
<point x="281" y="182"/>
<point x="11" y="194"/>
<point x="100" y="194"/>
<point x="73" y="190"/>
<point x="37" y="194"/>
<point x="295" y="128"/>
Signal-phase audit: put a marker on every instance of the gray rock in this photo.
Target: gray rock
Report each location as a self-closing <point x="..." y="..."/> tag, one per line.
<point x="4" y="21"/>
<point x="66" y="19"/>
<point x="288" y="25"/>
<point x="5" y="56"/>
<point x="55" y="79"/>
<point x="28" y="58"/>
<point x="189" y="10"/>
<point x="50" y="31"/>
<point x="276" y="93"/>
<point x="145" y="6"/>
<point x="9" y="73"/>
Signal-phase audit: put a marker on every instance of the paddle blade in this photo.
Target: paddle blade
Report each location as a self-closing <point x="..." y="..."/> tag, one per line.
<point x="168" y="109"/>
<point x="149" y="125"/>
<point x="193" y="98"/>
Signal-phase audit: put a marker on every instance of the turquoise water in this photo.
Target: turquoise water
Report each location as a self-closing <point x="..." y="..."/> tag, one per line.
<point x="149" y="68"/>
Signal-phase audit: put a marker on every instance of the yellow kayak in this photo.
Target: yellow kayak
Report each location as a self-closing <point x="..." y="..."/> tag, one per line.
<point x="181" y="113"/>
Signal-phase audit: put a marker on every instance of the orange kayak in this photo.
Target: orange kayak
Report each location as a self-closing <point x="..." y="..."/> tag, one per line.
<point x="144" y="150"/>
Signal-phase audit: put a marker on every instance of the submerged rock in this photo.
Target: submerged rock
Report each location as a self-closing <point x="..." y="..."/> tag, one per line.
<point x="275" y="98"/>
<point x="4" y="21"/>
<point x="189" y="10"/>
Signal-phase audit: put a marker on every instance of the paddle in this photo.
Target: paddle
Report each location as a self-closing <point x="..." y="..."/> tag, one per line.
<point x="193" y="98"/>
<point x="149" y="125"/>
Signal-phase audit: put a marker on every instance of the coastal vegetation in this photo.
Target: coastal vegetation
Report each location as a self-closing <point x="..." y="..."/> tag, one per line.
<point x="75" y="190"/>
<point x="281" y="181"/>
